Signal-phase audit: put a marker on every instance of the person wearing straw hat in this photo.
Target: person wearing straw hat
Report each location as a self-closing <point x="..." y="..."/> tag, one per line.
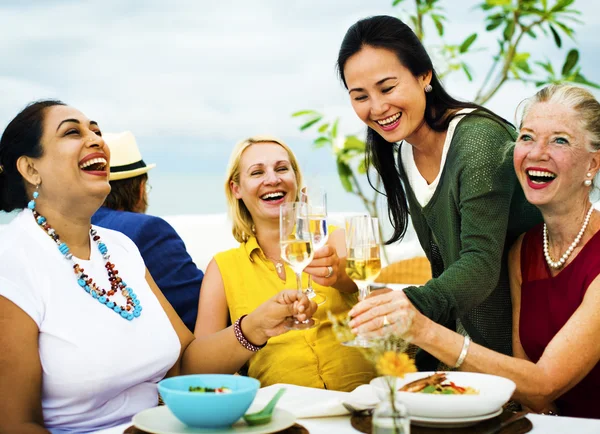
<point x="163" y="250"/>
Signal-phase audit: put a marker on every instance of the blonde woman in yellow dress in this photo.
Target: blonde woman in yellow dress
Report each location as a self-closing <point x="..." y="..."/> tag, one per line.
<point x="262" y="174"/>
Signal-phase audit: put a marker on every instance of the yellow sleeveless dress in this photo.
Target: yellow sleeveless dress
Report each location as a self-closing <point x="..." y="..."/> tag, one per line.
<point x="311" y="358"/>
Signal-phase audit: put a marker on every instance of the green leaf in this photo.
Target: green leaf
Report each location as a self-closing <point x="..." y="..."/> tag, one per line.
<point x="561" y="5"/>
<point x="464" y="47"/>
<point x="545" y="4"/>
<point x="547" y="66"/>
<point x="396" y="2"/>
<point x="557" y="39"/>
<point x="334" y="128"/>
<point x="362" y="167"/>
<point x="310" y="123"/>
<point x="321" y="142"/>
<point x="494" y="24"/>
<point x="439" y="26"/>
<point x="509" y="30"/>
<point x="570" y="62"/>
<point x="579" y="78"/>
<point x="531" y="33"/>
<point x="523" y="66"/>
<point x="323" y="128"/>
<point x="568" y="31"/>
<point x="465" y="68"/>
<point x="354" y="143"/>
<point x="303" y="112"/>
<point x="344" y="172"/>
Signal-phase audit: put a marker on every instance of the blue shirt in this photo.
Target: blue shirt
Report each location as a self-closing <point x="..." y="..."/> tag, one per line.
<point x="165" y="255"/>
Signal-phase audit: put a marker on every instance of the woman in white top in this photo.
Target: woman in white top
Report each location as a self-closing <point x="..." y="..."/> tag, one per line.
<point x="86" y="334"/>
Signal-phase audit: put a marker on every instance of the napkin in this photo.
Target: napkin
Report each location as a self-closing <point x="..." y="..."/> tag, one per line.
<point x="303" y="402"/>
<point x="362" y="397"/>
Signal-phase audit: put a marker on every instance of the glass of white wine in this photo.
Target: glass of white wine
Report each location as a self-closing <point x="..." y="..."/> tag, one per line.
<point x="316" y="198"/>
<point x="295" y="240"/>
<point x="363" y="260"/>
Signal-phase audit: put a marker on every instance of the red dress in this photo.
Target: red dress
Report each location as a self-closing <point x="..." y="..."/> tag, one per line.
<point x="548" y="302"/>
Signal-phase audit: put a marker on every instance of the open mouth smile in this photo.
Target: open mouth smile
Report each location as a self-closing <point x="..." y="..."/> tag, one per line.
<point x="539" y="178"/>
<point x="274" y="196"/>
<point x="94" y="164"/>
<point x="390" y="122"/>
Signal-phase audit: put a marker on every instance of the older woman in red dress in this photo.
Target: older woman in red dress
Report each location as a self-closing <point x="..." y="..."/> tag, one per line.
<point x="554" y="268"/>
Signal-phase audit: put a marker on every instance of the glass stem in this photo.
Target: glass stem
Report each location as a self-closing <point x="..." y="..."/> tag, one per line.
<point x="299" y="281"/>
<point x="363" y="291"/>
<point x="309" y="285"/>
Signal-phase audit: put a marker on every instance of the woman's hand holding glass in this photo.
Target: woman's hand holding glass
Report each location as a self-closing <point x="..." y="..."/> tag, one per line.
<point x="363" y="261"/>
<point x="384" y="312"/>
<point x="271" y="318"/>
<point x="295" y="240"/>
<point x="324" y="268"/>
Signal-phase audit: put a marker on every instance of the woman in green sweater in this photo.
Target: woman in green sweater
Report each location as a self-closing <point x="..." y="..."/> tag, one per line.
<point x="445" y="163"/>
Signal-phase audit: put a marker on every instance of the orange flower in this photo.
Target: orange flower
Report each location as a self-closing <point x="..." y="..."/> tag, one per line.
<point x="395" y="364"/>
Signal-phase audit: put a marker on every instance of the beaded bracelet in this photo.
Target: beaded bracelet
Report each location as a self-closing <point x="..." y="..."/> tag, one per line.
<point x="237" y="329"/>
<point x="463" y="352"/>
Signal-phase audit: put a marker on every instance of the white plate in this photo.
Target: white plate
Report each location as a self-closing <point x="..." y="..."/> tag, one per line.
<point x="494" y="392"/>
<point x="451" y="422"/>
<point x="160" y="420"/>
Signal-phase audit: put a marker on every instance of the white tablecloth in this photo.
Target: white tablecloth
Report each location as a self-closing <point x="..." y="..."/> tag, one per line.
<point x="307" y="403"/>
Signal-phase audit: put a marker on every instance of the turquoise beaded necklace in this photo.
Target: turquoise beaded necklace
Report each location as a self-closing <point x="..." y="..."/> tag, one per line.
<point x="132" y="308"/>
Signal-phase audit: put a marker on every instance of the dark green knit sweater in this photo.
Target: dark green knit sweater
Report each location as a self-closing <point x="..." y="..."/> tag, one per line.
<point x="476" y="213"/>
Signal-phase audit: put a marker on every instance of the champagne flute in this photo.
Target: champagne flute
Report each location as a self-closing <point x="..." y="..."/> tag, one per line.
<point x="295" y="241"/>
<point x="317" y="214"/>
<point x="363" y="261"/>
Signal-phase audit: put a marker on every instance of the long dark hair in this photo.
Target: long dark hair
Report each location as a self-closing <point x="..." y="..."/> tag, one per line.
<point x="387" y="32"/>
<point x="21" y="137"/>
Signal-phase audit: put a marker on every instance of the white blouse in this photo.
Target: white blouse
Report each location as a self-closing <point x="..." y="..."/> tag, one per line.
<point x="422" y="190"/>
<point x="99" y="369"/>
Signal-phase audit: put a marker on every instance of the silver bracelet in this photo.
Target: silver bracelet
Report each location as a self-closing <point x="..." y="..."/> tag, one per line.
<point x="463" y="352"/>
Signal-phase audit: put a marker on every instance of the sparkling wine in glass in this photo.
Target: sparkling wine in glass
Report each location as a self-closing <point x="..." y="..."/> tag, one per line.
<point x="363" y="260"/>
<point x="295" y="241"/>
<point x="316" y="198"/>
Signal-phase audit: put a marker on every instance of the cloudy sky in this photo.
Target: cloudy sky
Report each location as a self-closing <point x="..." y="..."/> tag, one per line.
<point x="190" y="78"/>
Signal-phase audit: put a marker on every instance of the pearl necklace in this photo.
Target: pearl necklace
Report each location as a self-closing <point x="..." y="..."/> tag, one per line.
<point x="558" y="264"/>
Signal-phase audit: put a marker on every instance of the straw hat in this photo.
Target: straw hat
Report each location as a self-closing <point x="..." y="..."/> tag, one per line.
<point x="125" y="157"/>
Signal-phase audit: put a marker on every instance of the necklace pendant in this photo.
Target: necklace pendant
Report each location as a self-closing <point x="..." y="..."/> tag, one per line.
<point x="279" y="267"/>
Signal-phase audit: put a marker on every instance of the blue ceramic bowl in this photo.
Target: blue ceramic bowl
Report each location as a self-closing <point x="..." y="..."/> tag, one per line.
<point x="208" y="410"/>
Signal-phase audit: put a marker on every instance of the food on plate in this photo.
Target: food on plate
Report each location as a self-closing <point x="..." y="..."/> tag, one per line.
<point x="437" y="384"/>
<point x="202" y="389"/>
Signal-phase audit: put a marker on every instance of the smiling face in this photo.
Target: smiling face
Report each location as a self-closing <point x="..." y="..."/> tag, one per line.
<point x="385" y="94"/>
<point x="552" y="157"/>
<point x="266" y="180"/>
<point x="74" y="163"/>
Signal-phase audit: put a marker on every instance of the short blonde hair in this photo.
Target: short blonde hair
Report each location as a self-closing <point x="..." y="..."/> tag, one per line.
<point x="240" y="216"/>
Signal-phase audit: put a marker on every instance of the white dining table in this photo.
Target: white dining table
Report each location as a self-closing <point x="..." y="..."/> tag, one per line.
<point x="320" y="412"/>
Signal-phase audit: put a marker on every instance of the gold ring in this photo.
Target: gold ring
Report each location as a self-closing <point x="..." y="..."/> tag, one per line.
<point x="330" y="271"/>
<point x="385" y="321"/>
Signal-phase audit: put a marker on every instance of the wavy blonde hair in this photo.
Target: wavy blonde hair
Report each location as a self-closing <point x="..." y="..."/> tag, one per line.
<point x="240" y="216"/>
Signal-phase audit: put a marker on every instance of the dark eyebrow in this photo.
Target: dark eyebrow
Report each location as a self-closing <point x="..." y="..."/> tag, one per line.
<point x="67" y="120"/>
<point x="379" y="83"/>
<point x="75" y="121"/>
